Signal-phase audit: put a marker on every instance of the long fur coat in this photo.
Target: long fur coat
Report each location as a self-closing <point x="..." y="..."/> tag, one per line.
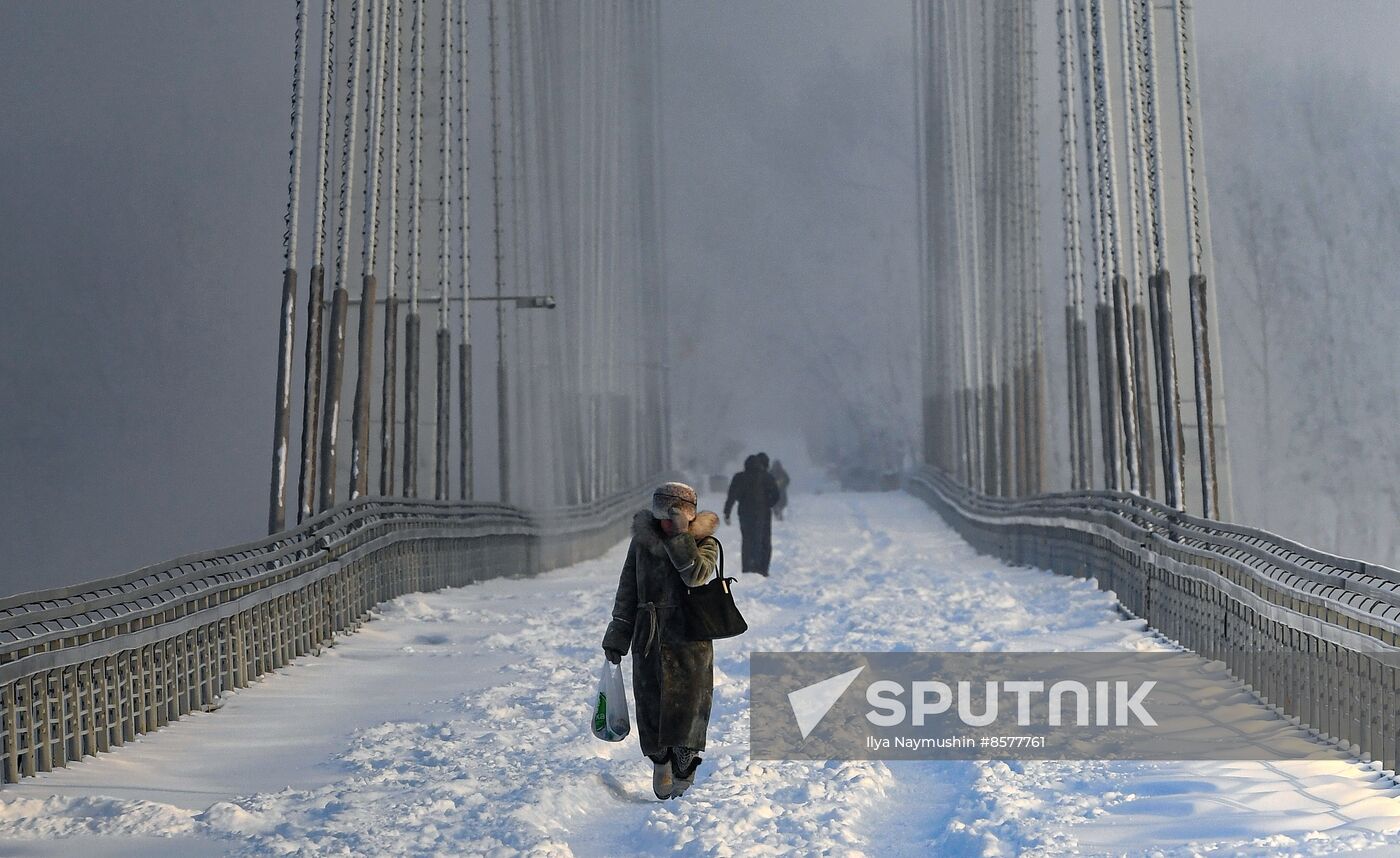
<point x="672" y="676"/>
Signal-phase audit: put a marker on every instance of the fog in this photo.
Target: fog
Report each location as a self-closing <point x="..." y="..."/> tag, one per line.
<point x="143" y="150"/>
<point x="790" y="206"/>
<point x="1301" y="116"/>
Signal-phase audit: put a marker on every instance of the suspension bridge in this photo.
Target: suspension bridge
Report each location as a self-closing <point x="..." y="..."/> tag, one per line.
<point x="374" y="503"/>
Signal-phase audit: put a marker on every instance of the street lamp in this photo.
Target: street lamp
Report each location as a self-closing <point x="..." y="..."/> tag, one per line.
<point x="522" y="302"/>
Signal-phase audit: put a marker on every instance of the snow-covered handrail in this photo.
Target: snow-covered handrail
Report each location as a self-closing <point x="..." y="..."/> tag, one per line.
<point x="89" y="667"/>
<point x="1315" y="635"/>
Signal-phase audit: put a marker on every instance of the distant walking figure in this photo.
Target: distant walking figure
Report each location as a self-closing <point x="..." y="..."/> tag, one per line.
<point x="780" y="476"/>
<point x="754" y="490"/>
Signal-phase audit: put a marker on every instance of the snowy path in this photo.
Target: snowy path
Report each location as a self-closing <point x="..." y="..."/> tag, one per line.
<point x="456" y="725"/>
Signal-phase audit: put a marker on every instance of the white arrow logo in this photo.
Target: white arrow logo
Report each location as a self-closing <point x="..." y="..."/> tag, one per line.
<point x="810" y="704"/>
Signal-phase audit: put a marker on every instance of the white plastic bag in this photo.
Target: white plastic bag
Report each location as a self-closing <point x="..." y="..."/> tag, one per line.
<point x="610" y="721"/>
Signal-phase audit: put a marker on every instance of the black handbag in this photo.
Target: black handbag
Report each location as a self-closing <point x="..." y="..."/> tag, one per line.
<point x="710" y="612"/>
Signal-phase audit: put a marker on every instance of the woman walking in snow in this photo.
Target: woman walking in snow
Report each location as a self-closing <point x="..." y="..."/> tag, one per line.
<point x="673" y="548"/>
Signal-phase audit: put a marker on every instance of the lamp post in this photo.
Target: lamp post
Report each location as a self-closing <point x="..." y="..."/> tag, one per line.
<point x="522" y="302"/>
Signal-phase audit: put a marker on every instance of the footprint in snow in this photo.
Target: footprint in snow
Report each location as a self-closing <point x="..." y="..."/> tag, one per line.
<point x="619" y="791"/>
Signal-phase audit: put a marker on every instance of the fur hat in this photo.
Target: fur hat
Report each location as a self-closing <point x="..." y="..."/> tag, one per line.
<point x="668" y="495"/>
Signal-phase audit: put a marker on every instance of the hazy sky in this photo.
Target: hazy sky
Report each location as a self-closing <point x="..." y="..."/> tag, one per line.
<point x="143" y="150"/>
<point x="791" y="215"/>
<point x="140" y="232"/>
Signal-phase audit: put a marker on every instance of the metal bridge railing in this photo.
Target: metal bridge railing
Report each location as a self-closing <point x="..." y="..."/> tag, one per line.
<point x="1314" y="635"/>
<point x="87" y="668"/>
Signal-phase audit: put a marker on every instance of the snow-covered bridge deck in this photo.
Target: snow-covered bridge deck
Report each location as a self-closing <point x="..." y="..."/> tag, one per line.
<point x="456" y="724"/>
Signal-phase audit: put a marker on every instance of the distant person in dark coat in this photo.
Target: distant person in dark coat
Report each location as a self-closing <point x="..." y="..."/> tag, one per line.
<point x="780" y="476"/>
<point x="755" y="492"/>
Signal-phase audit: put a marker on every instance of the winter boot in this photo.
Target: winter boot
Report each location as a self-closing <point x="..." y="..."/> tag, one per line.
<point x="684" y="762"/>
<point x="661" y="781"/>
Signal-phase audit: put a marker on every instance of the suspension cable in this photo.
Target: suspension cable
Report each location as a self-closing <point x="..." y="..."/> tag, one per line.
<point x="1069" y="161"/>
<point x="1096" y="213"/>
<point x="374" y="127"/>
<point x="323" y="155"/>
<point x="1200" y="316"/>
<point x="465" y="472"/>
<point x="445" y="148"/>
<point x="1031" y="145"/>
<point x="1148" y="53"/>
<point x="311" y="389"/>
<point x="330" y="414"/>
<point x="415" y="225"/>
<point x="1108" y="185"/>
<point x="957" y="130"/>
<point x="347" y="152"/>
<point x="975" y="179"/>
<point x="1132" y="130"/>
<point x="289" y="238"/>
<point x="1139" y="89"/>
<point x="1188" y="138"/>
<point x="919" y="10"/>
<point x="389" y="389"/>
<point x="503" y="443"/>
<point x="1127" y="380"/>
<point x="522" y="426"/>
<point x="464" y="172"/>
<point x="395" y="111"/>
<point x="281" y="424"/>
